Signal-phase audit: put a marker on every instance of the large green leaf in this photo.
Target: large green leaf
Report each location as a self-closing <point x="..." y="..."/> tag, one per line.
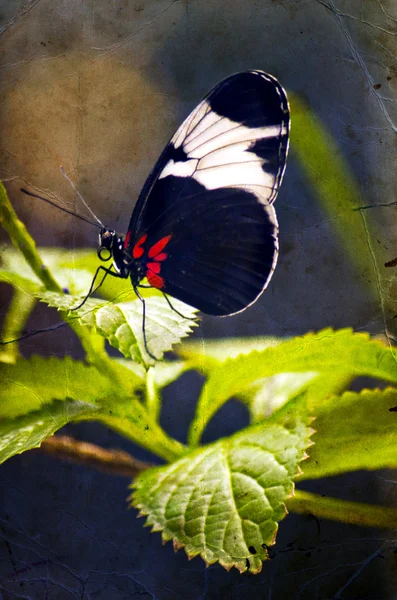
<point x="224" y="501"/>
<point x="28" y="431"/>
<point x="354" y="431"/>
<point x="121" y="323"/>
<point x="30" y="387"/>
<point x="326" y="352"/>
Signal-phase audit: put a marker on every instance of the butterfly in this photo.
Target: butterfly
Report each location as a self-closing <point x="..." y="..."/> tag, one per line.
<point x="204" y="229"/>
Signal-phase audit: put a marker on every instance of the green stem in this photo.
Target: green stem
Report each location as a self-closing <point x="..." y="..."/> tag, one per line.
<point x="24" y="242"/>
<point x="153" y="400"/>
<point x="354" y="513"/>
<point x="113" y="461"/>
<point x="152" y="437"/>
<point x="16" y="317"/>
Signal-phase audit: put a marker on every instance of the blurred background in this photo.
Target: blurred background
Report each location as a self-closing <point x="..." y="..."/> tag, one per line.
<point x="99" y="87"/>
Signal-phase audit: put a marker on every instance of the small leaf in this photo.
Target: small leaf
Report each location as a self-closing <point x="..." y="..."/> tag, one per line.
<point x="342" y="352"/>
<point x="354" y="431"/>
<point x="223" y="501"/>
<point x="28" y="431"/>
<point x="121" y="323"/>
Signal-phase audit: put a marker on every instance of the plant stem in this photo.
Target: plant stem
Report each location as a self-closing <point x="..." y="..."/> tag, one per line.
<point x="115" y="462"/>
<point x="16" y="317"/>
<point x="334" y="509"/>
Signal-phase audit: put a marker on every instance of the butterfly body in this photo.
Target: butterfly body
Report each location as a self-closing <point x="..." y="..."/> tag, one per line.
<point x="204" y="229"/>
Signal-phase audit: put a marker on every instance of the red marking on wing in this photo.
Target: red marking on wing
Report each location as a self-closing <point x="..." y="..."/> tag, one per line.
<point x="155" y="280"/>
<point x="138" y="251"/>
<point x="127" y="239"/>
<point x="154" y="267"/>
<point x="159" y="246"/>
<point x="161" y="257"/>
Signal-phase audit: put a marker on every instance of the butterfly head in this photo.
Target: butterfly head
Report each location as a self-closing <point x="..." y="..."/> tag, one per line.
<point x="111" y="247"/>
<point x="107" y="242"/>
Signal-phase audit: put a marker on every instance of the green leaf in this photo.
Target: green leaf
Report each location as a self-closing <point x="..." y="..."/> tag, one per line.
<point x="326" y="352"/>
<point x="28" y="431"/>
<point x="30" y="387"/>
<point x="271" y="393"/>
<point x="81" y="260"/>
<point x="121" y="323"/>
<point x="223" y="502"/>
<point x="220" y="350"/>
<point x="19" y="282"/>
<point x="30" y="384"/>
<point x="73" y="269"/>
<point x="165" y="373"/>
<point x="354" y="431"/>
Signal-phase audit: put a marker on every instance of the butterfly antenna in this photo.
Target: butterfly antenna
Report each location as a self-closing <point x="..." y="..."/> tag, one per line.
<point x="66" y="210"/>
<point x="80" y="196"/>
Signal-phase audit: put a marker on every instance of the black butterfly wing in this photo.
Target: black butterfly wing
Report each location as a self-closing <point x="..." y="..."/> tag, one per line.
<point x="206" y="209"/>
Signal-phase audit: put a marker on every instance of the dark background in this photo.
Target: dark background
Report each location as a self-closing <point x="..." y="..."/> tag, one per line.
<point x="99" y="87"/>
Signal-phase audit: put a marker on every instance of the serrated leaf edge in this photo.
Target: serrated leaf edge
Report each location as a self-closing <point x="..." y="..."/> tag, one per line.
<point x="167" y="535"/>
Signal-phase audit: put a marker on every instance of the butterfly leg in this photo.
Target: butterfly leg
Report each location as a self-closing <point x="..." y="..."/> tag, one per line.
<point x="144" y="323"/>
<point x="173" y="308"/>
<point x="92" y="289"/>
<point x="168" y="301"/>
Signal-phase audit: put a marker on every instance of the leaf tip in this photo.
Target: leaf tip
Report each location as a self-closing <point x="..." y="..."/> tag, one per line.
<point x="177" y="545"/>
